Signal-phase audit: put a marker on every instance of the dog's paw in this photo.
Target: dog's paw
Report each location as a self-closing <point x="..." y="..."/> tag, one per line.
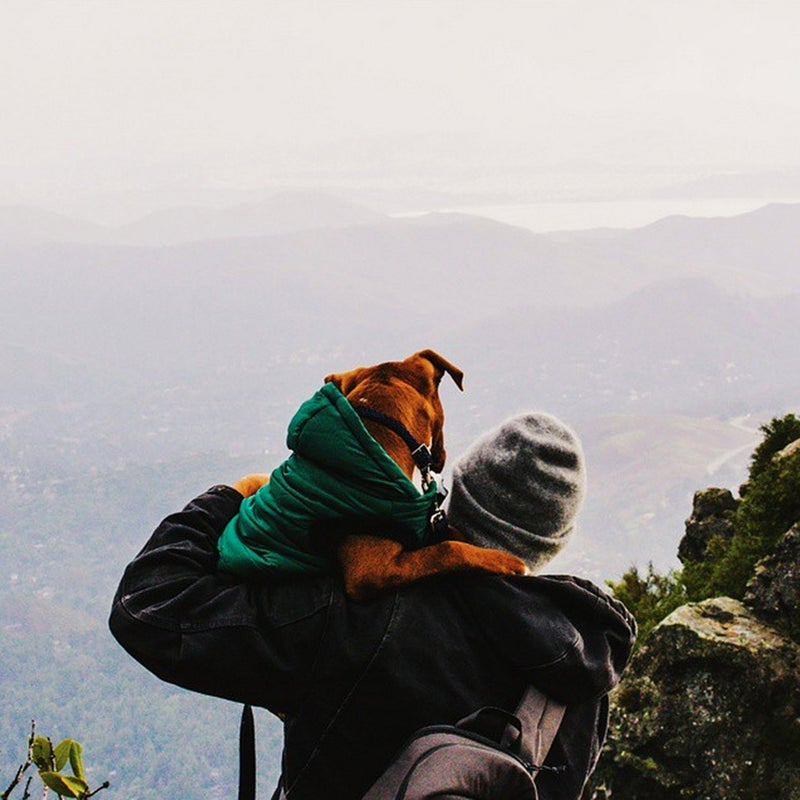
<point x="250" y="484"/>
<point x="498" y="562"/>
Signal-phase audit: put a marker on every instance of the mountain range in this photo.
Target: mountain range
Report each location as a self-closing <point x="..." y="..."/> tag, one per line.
<point x="117" y="354"/>
<point x="280" y="213"/>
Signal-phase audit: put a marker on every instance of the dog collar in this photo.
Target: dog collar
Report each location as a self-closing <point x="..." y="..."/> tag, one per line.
<point x="419" y="452"/>
<point x="422" y="458"/>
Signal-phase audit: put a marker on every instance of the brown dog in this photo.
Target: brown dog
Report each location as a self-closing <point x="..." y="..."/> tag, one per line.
<point x="407" y="391"/>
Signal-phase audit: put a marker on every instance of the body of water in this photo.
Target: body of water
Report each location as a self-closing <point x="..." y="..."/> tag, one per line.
<point x="566" y="216"/>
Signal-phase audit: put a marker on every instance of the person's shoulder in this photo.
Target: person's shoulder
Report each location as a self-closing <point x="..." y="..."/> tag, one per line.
<point x="536" y="603"/>
<point x="601" y="600"/>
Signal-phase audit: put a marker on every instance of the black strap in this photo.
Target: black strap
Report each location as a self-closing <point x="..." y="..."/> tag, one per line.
<point x="419" y="452"/>
<point x="247" y="755"/>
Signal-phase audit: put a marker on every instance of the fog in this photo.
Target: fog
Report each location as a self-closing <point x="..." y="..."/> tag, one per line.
<point x="115" y="109"/>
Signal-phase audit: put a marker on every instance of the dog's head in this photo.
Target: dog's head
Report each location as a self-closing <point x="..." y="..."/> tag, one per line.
<point x="407" y="390"/>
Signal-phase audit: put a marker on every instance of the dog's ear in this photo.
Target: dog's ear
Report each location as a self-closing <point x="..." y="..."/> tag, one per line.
<point x="442" y="365"/>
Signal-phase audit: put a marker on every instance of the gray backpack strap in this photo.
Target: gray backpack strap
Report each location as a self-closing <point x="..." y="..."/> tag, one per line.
<point x="540" y="717"/>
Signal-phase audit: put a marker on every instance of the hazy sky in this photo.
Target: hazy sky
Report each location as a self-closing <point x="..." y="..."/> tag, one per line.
<point x="117" y="96"/>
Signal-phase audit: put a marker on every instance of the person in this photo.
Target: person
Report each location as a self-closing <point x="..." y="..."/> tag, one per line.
<point x="354" y="679"/>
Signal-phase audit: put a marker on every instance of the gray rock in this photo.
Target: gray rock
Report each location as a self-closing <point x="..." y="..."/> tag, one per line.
<point x="710" y="710"/>
<point x="773" y="592"/>
<point x="712" y="516"/>
<point x="787" y="451"/>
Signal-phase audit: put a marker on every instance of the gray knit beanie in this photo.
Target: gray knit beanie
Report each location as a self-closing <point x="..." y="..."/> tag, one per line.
<point x="519" y="487"/>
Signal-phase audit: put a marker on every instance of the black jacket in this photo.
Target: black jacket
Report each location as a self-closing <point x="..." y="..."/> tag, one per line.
<point x="355" y="679"/>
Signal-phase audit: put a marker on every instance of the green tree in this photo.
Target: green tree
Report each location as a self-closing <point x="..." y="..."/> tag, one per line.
<point x="698" y="576"/>
<point x="778" y="432"/>
<point x="650" y="596"/>
<point x="769" y="508"/>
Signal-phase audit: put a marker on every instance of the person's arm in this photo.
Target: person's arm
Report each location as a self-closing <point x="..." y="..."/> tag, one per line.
<point x="193" y="627"/>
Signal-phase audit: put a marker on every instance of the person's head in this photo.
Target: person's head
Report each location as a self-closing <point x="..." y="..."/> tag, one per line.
<point x="519" y="487"/>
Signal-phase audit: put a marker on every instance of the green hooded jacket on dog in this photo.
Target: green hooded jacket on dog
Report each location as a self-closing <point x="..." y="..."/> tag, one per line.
<point x="337" y="471"/>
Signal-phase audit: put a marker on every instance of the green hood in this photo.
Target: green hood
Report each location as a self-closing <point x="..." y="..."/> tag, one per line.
<point x="337" y="471"/>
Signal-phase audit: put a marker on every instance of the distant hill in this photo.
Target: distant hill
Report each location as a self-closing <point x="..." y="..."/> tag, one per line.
<point x="459" y="265"/>
<point x="284" y="212"/>
<point x="753" y="253"/>
<point x="680" y="345"/>
<point x="642" y="472"/>
<point x="756" y="252"/>
<point x="25" y="224"/>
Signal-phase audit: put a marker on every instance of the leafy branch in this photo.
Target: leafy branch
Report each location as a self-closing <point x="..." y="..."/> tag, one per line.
<point x="22" y="769"/>
<point x="50" y="763"/>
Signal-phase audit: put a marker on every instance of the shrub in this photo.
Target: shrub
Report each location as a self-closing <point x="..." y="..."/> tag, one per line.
<point x="649" y="597"/>
<point x="769" y="508"/>
<point x="778" y="432"/>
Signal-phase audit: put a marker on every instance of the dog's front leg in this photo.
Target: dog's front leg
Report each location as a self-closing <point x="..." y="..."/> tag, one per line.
<point x="371" y="564"/>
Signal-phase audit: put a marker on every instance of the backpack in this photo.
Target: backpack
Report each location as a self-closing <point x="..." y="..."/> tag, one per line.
<point x="488" y="755"/>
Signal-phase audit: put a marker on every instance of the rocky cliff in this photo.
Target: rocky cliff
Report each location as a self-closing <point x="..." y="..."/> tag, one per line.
<point x="710" y="707"/>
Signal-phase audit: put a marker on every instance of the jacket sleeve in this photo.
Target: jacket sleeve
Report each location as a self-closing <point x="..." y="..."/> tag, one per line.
<point x="602" y="633"/>
<point x="203" y="631"/>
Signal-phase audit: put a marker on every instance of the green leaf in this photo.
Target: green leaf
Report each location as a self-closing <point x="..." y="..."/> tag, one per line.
<point x="76" y="760"/>
<point x="65" y="785"/>
<point x="42" y="752"/>
<point x="61" y="752"/>
<point x="70" y="750"/>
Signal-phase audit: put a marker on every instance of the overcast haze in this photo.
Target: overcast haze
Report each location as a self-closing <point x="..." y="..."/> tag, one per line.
<point x="120" y="107"/>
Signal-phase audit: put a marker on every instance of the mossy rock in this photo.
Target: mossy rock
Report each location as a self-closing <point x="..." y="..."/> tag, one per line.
<point x="773" y="593"/>
<point x="710" y="709"/>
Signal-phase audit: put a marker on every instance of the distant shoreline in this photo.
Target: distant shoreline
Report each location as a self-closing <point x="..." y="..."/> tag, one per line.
<point x="581" y="215"/>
